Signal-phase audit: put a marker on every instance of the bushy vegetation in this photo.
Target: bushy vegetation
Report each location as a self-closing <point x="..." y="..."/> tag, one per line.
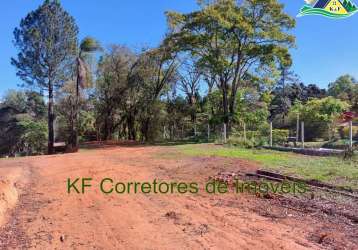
<point x="242" y="142"/>
<point x="23" y="127"/>
<point x="33" y="137"/>
<point x="280" y="136"/>
<point x="320" y="116"/>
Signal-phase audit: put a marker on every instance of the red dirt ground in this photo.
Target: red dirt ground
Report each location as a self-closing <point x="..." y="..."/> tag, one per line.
<point x="46" y="217"/>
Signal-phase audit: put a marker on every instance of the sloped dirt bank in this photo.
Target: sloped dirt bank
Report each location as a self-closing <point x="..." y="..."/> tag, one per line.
<point x="9" y="192"/>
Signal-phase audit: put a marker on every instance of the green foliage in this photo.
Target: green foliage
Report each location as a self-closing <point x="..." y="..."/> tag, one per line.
<point x="346" y="89"/>
<point x="287" y="93"/>
<point x="241" y="142"/>
<point x="213" y="108"/>
<point x="129" y="90"/>
<point x="22" y="126"/>
<point x="343" y="87"/>
<point x="251" y="109"/>
<point x="87" y="123"/>
<point x="25" y="102"/>
<point x="258" y="138"/>
<point x="114" y="91"/>
<point x="226" y="37"/>
<point x="319" y="116"/>
<point x="239" y="49"/>
<point x="326" y="109"/>
<point x="154" y="74"/>
<point x="33" y="137"/>
<point x="280" y="136"/>
<point x="47" y="43"/>
<point x="153" y="130"/>
<point x="16" y="100"/>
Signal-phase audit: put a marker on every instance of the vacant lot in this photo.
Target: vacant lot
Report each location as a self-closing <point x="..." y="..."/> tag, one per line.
<point x="42" y="215"/>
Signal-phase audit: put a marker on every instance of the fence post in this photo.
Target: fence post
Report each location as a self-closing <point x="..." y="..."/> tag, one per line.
<point x="350" y="134"/>
<point x="271" y="140"/>
<point x="208" y="132"/>
<point x="245" y="132"/>
<point x="224" y="133"/>
<point x="303" y="134"/>
<point x="298" y="128"/>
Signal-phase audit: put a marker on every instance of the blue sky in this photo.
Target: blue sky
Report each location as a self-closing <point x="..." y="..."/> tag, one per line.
<point x="326" y="48"/>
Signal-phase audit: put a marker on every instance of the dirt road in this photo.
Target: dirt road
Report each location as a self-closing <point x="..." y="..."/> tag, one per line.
<point x="42" y="215"/>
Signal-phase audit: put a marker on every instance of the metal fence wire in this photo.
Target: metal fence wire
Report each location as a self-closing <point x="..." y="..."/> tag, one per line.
<point x="302" y="134"/>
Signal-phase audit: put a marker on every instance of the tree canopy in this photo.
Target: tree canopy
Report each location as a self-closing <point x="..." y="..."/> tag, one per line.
<point x="233" y="41"/>
<point x="47" y="43"/>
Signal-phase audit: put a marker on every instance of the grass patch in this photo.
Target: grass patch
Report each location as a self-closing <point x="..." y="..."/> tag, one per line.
<point x="333" y="170"/>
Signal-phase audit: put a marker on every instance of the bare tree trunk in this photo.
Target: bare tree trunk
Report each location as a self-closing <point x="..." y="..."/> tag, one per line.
<point x="131" y="129"/>
<point x="145" y="129"/>
<point x="51" y="118"/>
<point x="225" y="104"/>
<point x="76" y="118"/>
<point x="106" y="129"/>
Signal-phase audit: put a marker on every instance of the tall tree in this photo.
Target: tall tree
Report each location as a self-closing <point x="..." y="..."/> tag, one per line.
<point x="87" y="46"/>
<point x="233" y="40"/>
<point x="189" y="80"/>
<point x="282" y="102"/>
<point x="294" y="91"/>
<point x="47" y="44"/>
<point x="343" y="87"/>
<point x="112" y="90"/>
<point x="346" y="89"/>
<point x="154" y="71"/>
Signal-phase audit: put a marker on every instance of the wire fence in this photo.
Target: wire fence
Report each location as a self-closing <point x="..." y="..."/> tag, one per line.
<point x="302" y="134"/>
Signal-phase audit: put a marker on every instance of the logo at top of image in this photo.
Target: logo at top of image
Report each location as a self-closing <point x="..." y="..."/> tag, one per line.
<point x="329" y="8"/>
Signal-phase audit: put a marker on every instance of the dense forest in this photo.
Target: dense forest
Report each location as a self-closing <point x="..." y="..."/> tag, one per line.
<point x="225" y="65"/>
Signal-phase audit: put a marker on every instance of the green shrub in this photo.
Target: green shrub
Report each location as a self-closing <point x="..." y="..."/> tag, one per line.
<point x="249" y="134"/>
<point x="241" y="142"/>
<point x="280" y="136"/>
<point x="33" y="137"/>
<point x="319" y="116"/>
